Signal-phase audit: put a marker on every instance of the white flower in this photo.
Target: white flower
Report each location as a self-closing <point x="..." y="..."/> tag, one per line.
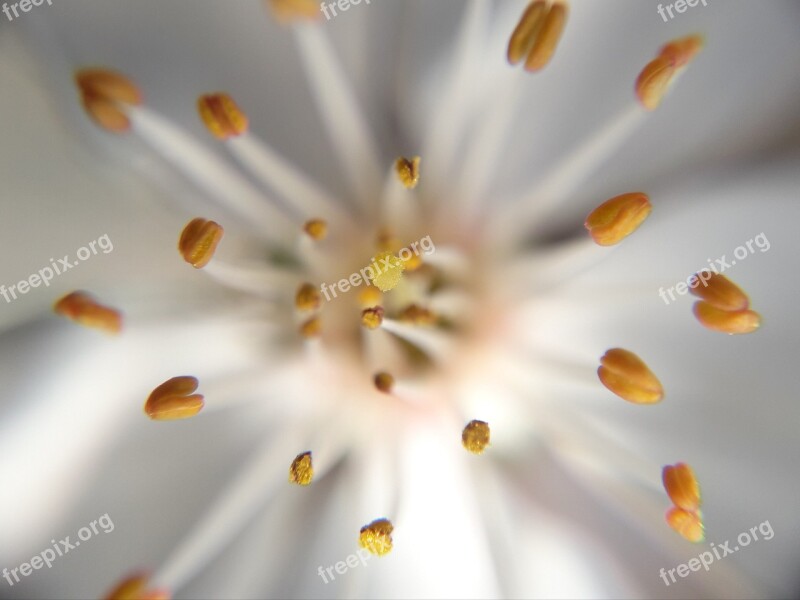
<point x="567" y="500"/>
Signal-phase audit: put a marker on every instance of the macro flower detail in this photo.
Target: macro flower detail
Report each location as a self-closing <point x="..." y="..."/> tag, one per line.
<point x="319" y="327"/>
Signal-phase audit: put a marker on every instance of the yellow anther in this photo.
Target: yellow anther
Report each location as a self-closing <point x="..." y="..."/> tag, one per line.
<point x="417" y="315"/>
<point x="370" y="296"/>
<point x="387" y="271"/>
<point x="682" y="486"/>
<point x="198" y="241"/>
<point x="627" y="376"/>
<point x="617" y="218"/>
<point x="407" y="170"/>
<point x="655" y="79"/>
<point x="384" y="382"/>
<point x="83" y="309"/>
<point x="726" y="321"/>
<point x="311" y="328"/>
<point x="286" y="11"/>
<point x="371" y="318"/>
<point x="316" y="229"/>
<point x="376" y="537"/>
<point x="475" y="436"/>
<point x="720" y="292"/>
<point x="220" y="114"/>
<point x="537" y="34"/>
<point x="135" y="588"/>
<point x="174" y="399"/>
<point x="688" y="524"/>
<point x="301" y="471"/>
<point x="104" y="93"/>
<point x="308" y="298"/>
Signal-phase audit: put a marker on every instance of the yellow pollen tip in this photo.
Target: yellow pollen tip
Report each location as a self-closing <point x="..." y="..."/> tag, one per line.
<point x="682" y="486"/>
<point x="475" y="436"/>
<point x="316" y="229"/>
<point x="688" y="524"/>
<point x="384" y="382"/>
<point x="221" y="116"/>
<point x="537" y="34"/>
<point x="174" y="399"/>
<point x="655" y="79"/>
<point x="287" y="11"/>
<point x="370" y="296"/>
<point x="311" y="328"/>
<point x="135" y="588"/>
<point x="417" y="315"/>
<point x="376" y="537"/>
<point x="726" y="321"/>
<point x="301" y="471"/>
<point x="371" y="318"/>
<point x="617" y="218"/>
<point x="387" y="271"/>
<point x="81" y="308"/>
<point x="198" y="241"/>
<point x="408" y="171"/>
<point x="627" y="376"/>
<point x="308" y="298"/>
<point x="720" y="292"/>
<point x="103" y="92"/>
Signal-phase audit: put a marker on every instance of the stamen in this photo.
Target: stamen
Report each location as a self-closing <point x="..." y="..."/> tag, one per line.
<point x="135" y="587"/>
<point x="655" y="79"/>
<point x="387" y="271"/>
<point x="524" y="34"/>
<point x="725" y="321"/>
<point x="627" y="376"/>
<point x="377" y="537"/>
<point x="301" y="472"/>
<point x="681" y="486"/>
<point x="82" y="308"/>
<point x="417" y="315"/>
<point x="222" y="116"/>
<point x="688" y="524"/>
<point x="475" y="436"/>
<point x="408" y="171"/>
<point x="547" y="37"/>
<point x="174" y="399"/>
<point x="311" y="328"/>
<point x="617" y="218"/>
<point x="103" y="92"/>
<point x="384" y="382"/>
<point x="317" y="229"/>
<point x="308" y="298"/>
<point x="720" y="292"/>
<point x="372" y="318"/>
<point x="287" y="11"/>
<point x="199" y="240"/>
